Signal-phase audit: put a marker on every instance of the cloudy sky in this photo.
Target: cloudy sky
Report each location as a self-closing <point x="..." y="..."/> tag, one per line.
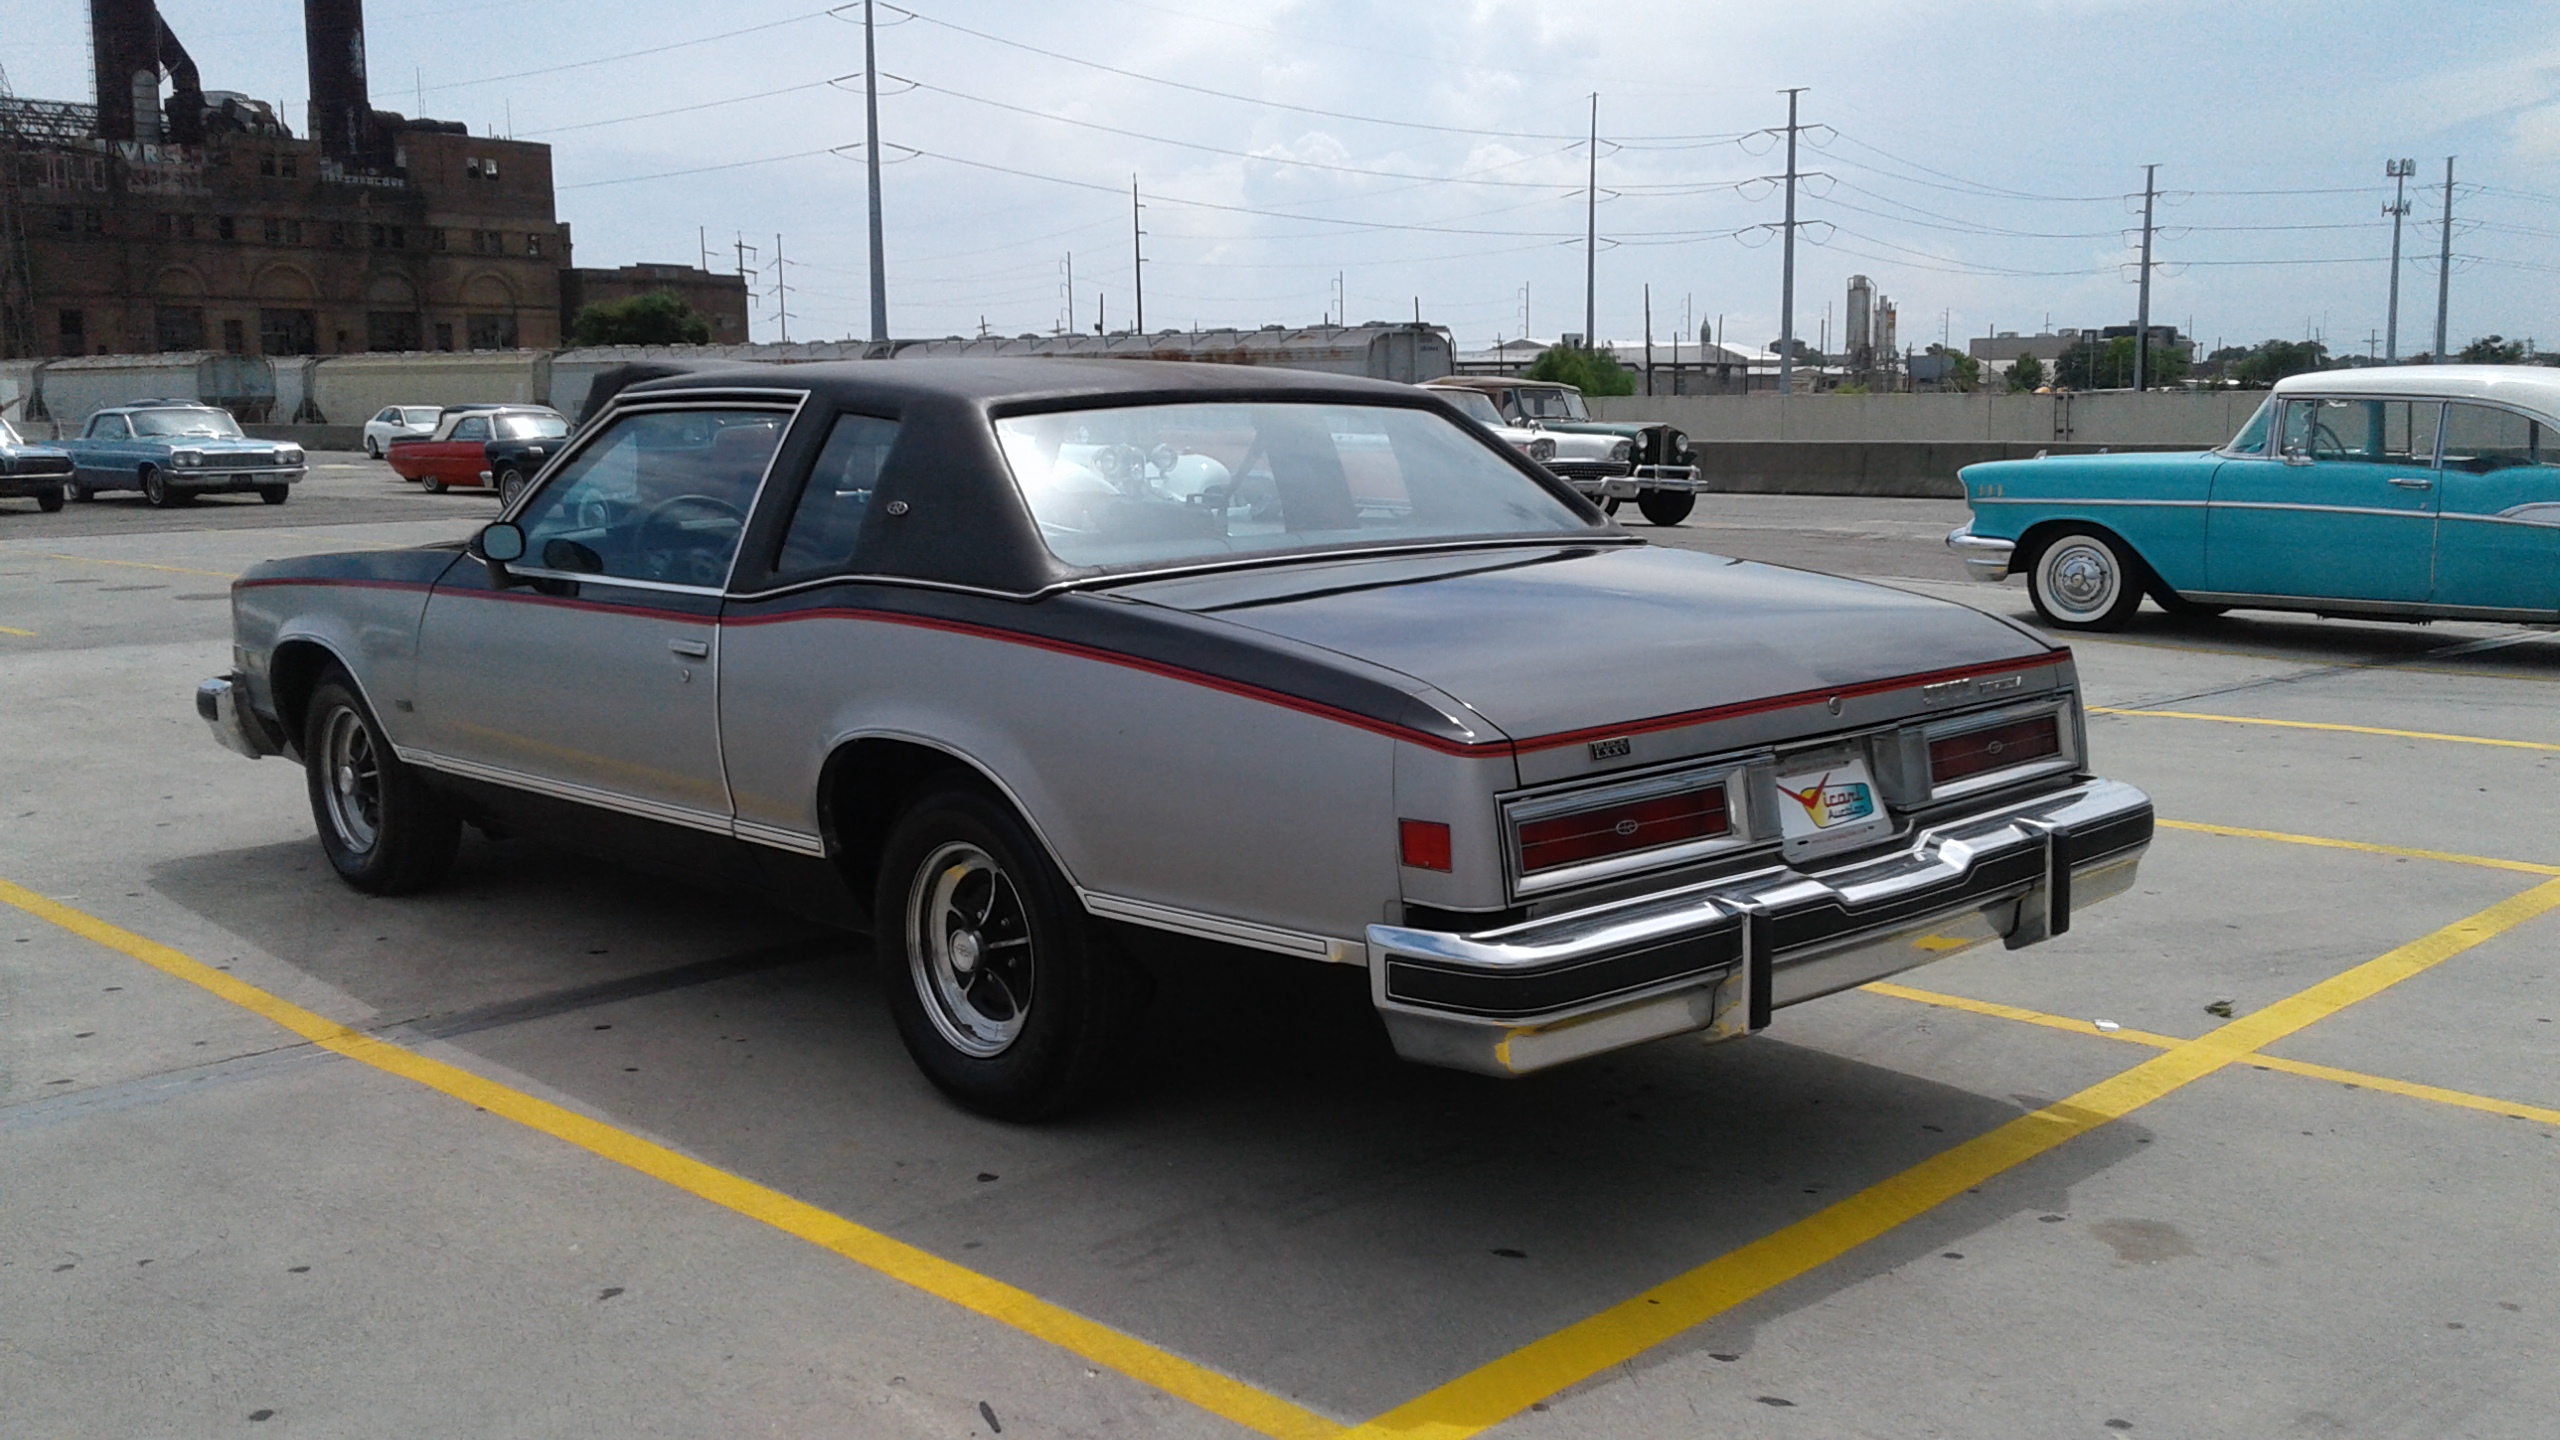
<point x="1973" y="158"/>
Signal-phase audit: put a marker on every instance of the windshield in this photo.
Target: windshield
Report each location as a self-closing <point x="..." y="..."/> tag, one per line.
<point x="2252" y="438"/>
<point x="215" y="423"/>
<point x="531" y="427"/>
<point x="1161" y="485"/>
<point x="1474" y="405"/>
<point x="1551" y="404"/>
<point x="420" y="415"/>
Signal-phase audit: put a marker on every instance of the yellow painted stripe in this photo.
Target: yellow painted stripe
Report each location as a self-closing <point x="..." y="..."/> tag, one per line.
<point x="2325" y="725"/>
<point x="14" y="630"/>
<point x="2324" y="842"/>
<point x="2439" y="1094"/>
<point x="1218" y="1394"/>
<point x="138" y="565"/>
<point x="1494" y="1392"/>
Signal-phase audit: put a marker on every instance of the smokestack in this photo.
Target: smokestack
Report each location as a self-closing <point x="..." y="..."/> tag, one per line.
<point x="125" y="37"/>
<point x="341" y="108"/>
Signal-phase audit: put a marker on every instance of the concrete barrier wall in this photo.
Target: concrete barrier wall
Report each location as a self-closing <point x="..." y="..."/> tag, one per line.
<point x="2101" y="418"/>
<point x="351" y="389"/>
<point x="1896" y="469"/>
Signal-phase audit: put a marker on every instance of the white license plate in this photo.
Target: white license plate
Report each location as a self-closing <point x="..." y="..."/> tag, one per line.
<point x="1828" y="805"/>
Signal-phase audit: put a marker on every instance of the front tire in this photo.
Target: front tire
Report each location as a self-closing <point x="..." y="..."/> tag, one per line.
<point x="157" y="492"/>
<point x="2087" y="580"/>
<point x="1666" y="507"/>
<point x="1008" y="998"/>
<point x="49" y="501"/>
<point x="383" y="830"/>
<point x="372" y="448"/>
<point x="275" y="494"/>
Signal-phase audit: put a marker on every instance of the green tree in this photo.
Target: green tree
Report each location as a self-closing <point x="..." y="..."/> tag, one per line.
<point x="2092" y="366"/>
<point x="2265" y="363"/>
<point x="659" y="317"/>
<point x="2493" y="350"/>
<point x="2025" y="375"/>
<point x="1593" y="372"/>
<point x="1963" y="371"/>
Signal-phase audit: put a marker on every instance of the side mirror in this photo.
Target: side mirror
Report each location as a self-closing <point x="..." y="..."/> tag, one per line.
<point x="496" y="545"/>
<point x="2297" y="454"/>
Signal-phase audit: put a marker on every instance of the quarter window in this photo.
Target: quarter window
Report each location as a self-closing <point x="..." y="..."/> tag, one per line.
<point x="2479" y="439"/>
<point x="471" y="429"/>
<point x="828" y="519"/>
<point x="660" y="496"/>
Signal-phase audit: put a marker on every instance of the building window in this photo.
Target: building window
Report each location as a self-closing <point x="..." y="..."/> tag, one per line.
<point x="493" y="332"/>
<point x="480" y="169"/>
<point x="444" y="334"/>
<point x="391" y="330"/>
<point x="168" y="225"/>
<point x="292" y="166"/>
<point x="275" y="230"/>
<point x="293" y="232"/>
<point x="75" y="332"/>
<point x="224" y="229"/>
<point x="62" y="220"/>
<point x="533" y="246"/>
<point x="435" y="238"/>
<point x="287" y="332"/>
<point x="235" y="340"/>
<point x="266" y="164"/>
<point x="179" y="327"/>
<point x="93" y="221"/>
<point x="380" y="235"/>
<point x="186" y="227"/>
<point x="399" y="238"/>
<point x="337" y="233"/>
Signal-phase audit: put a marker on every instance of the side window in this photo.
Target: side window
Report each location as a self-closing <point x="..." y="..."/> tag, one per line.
<point x="659" y="496"/>
<point x="472" y="429"/>
<point x="2320" y="429"/>
<point x="2480" y="439"/>
<point x="110" y="427"/>
<point x="828" y="519"/>
<point x="389" y="417"/>
<point x="2409" y="431"/>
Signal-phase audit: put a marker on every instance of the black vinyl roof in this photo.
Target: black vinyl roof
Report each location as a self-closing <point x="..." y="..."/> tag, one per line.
<point x="1029" y="382"/>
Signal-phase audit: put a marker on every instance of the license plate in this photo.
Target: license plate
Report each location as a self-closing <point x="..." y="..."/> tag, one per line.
<point x="1828" y="805"/>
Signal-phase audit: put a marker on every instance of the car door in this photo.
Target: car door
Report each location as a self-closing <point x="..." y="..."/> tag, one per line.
<point x="2347" y="510"/>
<point x="2498" y="515"/>
<point x="105" y="462"/>
<point x="456" y="459"/>
<point x="593" y="676"/>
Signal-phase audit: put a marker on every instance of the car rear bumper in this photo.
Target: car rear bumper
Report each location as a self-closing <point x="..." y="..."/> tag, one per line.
<point x="1717" y="958"/>
<point x="223" y="704"/>
<point x="1985" y="558"/>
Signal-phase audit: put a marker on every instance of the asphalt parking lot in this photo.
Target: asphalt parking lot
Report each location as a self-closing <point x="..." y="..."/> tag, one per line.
<point x="2265" y="1147"/>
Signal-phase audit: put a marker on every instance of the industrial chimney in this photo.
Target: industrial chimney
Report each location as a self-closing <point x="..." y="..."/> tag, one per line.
<point x="341" y="107"/>
<point x="125" y="37"/>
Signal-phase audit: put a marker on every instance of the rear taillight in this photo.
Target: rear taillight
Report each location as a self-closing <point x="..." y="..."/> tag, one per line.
<point x="1997" y="747"/>
<point x="1585" y="835"/>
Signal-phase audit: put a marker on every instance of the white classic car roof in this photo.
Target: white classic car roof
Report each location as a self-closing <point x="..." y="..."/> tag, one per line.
<point x="2528" y="387"/>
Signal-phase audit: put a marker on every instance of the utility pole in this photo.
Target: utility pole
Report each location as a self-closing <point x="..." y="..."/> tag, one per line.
<point x="702" y="242"/>
<point x="781" y="292"/>
<point x="871" y="157"/>
<point x="1787" y="282"/>
<point x="2398" y="210"/>
<point x="2444" y="261"/>
<point x="745" y="274"/>
<point x="2142" y="315"/>
<point x="1648" y="340"/>
<point x="1591" y="237"/>
<point x="1071" y="292"/>
<point x="1138" y="250"/>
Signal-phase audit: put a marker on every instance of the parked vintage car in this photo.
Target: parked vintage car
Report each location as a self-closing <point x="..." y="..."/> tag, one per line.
<point x="1044" y="670"/>
<point x="174" y="450"/>
<point x="1535" y="444"/>
<point x="482" y="445"/>
<point x="1653" y="465"/>
<point x="41" y="473"/>
<point x="399" y="422"/>
<point x="2403" y="492"/>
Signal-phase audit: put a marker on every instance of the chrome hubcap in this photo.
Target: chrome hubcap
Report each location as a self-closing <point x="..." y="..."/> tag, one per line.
<point x="969" y="950"/>
<point x="2080" y="578"/>
<point x="354" y="781"/>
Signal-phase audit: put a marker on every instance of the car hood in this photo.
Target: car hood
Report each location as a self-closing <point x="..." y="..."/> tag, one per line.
<point x="1581" y="444"/>
<point x="1546" y="643"/>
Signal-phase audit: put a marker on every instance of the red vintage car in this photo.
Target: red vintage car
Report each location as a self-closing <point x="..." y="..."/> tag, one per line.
<point x="473" y="444"/>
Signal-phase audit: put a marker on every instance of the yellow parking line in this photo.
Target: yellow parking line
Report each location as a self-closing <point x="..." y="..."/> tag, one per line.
<point x="2412" y="1089"/>
<point x="1218" y="1394"/>
<point x="1496" y="1391"/>
<point x="2323" y="725"/>
<point x="2449" y="856"/>
<point x="137" y="565"/>
<point x="14" y="630"/>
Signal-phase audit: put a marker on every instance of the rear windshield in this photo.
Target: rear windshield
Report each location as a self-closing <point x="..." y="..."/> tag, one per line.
<point x="424" y="415"/>
<point x="217" y="423"/>
<point x="1159" y="485"/>
<point x="531" y="427"/>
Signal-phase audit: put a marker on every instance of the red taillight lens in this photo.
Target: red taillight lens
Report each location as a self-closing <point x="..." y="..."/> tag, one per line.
<point x="1426" y="844"/>
<point x="1979" y="752"/>
<point x="1623" y="829"/>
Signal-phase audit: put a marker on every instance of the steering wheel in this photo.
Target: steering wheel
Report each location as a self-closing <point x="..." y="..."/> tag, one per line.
<point x="661" y="560"/>
<point x="2326" y="444"/>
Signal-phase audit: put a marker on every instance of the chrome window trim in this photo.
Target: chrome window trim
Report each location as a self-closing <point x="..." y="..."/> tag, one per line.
<point x="1733" y="772"/>
<point x="582" y="577"/>
<point x="2067" y="759"/>
<point x="2435" y="460"/>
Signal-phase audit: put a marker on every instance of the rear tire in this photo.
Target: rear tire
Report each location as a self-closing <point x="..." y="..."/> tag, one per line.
<point x="275" y="494"/>
<point x="49" y="501"/>
<point x="434" y="485"/>
<point x="383" y="830"/>
<point x="1666" y="507"/>
<point x="1007" y="996"/>
<point x="510" y="485"/>
<point x="2087" y="580"/>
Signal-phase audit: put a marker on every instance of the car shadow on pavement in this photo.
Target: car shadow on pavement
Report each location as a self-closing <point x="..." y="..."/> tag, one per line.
<point x="1269" y="1190"/>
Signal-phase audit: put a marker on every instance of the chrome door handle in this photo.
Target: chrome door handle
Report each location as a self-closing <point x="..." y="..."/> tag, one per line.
<point x="691" y="649"/>
<point x="2412" y="482"/>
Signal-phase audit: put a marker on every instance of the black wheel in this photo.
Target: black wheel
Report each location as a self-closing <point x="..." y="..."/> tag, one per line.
<point x="1004" y="992"/>
<point x="510" y="485"/>
<point x="275" y="494"/>
<point x="1609" y="505"/>
<point x="158" y="492"/>
<point x="2087" y="580"/>
<point x="383" y="829"/>
<point x="49" y="501"/>
<point x="1666" y="507"/>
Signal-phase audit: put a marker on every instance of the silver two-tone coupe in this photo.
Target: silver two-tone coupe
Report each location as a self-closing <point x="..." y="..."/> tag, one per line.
<point x="1038" y="671"/>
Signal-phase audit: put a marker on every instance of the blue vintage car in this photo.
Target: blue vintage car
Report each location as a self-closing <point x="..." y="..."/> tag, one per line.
<point x="174" y="450"/>
<point x="2403" y="492"/>
<point x="41" y="473"/>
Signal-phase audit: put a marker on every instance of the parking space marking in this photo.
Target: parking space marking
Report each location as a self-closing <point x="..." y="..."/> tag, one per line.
<point x="135" y="565"/>
<point x="1494" y="1392"/>
<point x="2325" y="725"/>
<point x="1219" y="1394"/>
<point x="2356" y="1078"/>
<point x="14" y="630"/>
<point x="2450" y="857"/>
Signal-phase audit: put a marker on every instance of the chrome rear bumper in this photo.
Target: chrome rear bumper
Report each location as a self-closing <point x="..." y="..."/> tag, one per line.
<point x="1719" y="957"/>
<point x="235" y="727"/>
<point x="1984" y="557"/>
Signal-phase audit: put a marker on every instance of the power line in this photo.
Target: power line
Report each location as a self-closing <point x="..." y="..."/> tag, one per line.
<point x="686" y="109"/>
<point x="632" y="54"/>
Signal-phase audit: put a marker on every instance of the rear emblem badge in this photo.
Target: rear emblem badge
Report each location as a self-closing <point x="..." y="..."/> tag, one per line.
<point x="1617" y="749"/>
<point x="1624" y="827"/>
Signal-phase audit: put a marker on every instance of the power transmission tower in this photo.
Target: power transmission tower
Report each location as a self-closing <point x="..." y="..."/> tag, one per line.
<point x="1787" y="273"/>
<point x="871" y="157"/>
<point x="2444" y="261"/>
<point x="1138" y="254"/>
<point x="781" y="292"/>
<point x="2142" y="312"/>
<point x="2398" y="210"/>
<point x="1591" y="237"/>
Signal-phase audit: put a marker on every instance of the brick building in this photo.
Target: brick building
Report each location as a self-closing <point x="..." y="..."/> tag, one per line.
<point x="719" y="299"/>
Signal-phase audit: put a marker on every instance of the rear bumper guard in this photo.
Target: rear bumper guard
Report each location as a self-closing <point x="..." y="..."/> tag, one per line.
<point x="1718" y="958"/>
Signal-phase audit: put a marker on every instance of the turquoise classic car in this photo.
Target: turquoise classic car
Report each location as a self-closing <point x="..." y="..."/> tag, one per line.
<point x="2402" y="492"/>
